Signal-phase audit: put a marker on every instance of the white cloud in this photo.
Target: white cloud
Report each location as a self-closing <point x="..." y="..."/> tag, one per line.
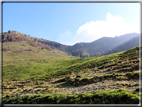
<point x="93" y="30"/>
<point x="112" y="26"/>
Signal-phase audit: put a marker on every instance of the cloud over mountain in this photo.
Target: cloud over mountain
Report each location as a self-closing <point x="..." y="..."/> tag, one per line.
<point x="112" y="26"/>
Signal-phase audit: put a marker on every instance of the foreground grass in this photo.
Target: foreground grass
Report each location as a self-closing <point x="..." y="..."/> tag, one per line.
<point x="29" y="74"/>
<point x="119" y="96"/>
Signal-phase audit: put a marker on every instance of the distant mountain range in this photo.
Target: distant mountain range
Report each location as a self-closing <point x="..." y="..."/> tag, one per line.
<point x="102" y="46"/>
<point x="125" y="46"/>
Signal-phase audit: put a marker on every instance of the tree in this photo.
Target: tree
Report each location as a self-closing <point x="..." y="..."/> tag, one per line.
<point x="13" y="38"/>
<point x="42" y="46"/>
<point x="35" y="40"/>
<point x="88" y="55"/>
<point x="80" y="55"/>
<point x="9" y="38"/>
<point x="9" y="31"/>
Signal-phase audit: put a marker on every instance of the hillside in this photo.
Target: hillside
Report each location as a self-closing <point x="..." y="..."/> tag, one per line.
<point x="14" y="36"/>
<point x="125" y="46"/>
<point x="18" y="47"/>
<point x="94" y="48"/>
<point x="100" y="46"/>
<point x="74" y="81"/>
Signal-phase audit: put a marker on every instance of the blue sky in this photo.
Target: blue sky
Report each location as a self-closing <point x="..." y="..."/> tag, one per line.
<point x="69" y="23"/>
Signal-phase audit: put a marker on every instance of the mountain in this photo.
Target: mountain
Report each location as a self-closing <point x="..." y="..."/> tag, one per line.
<point x="100" y="46"/>
<point x="94" y="48"/>
<point x="20" y="47"/>
<point x="54" y="45"/>
<point x="14" y="36"/>
<point x="125" y="46"/>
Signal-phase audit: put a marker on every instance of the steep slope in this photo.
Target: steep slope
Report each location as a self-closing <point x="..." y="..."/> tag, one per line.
<point x="125" y="46"/>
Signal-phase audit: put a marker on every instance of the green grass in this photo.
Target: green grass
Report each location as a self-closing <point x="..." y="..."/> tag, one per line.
<point x="46" y="71"/>
<point x="119" y="96"/>
<point x="17" y="55"/>
<point x="35" y="69"/>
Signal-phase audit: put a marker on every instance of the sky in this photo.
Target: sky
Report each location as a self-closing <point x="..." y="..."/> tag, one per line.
<point x="70" y="23"/>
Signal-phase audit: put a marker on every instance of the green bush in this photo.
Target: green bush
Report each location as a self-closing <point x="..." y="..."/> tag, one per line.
<point x="119" y="96"/>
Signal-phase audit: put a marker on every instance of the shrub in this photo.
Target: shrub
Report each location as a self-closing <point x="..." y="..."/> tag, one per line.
<point x="119" y="96"/>
<point x="48" y="47"/>
<point x="29" y="49"/>
<point x="24" y="44"/>
<point x="6" y="49"/>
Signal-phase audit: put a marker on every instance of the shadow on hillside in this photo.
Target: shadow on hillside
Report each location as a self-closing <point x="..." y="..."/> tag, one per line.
<point x="59" y="81"/>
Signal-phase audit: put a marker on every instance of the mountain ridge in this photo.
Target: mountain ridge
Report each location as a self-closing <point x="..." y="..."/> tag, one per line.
<point x="103" y="44"/>
<point x="133" y="42"/>
<point x="95" y="48"/>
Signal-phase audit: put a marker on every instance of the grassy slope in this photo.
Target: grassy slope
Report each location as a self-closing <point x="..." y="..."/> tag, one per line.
<point x="25" y="64"/>
<point x="17" y="55"/>
<point x="33" y="67"/>
<point x="36" y="67"/>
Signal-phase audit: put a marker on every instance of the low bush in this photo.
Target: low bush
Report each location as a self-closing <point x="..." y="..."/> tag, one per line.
<point x="119" y="96"/>
<point x="6" y="49"/>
